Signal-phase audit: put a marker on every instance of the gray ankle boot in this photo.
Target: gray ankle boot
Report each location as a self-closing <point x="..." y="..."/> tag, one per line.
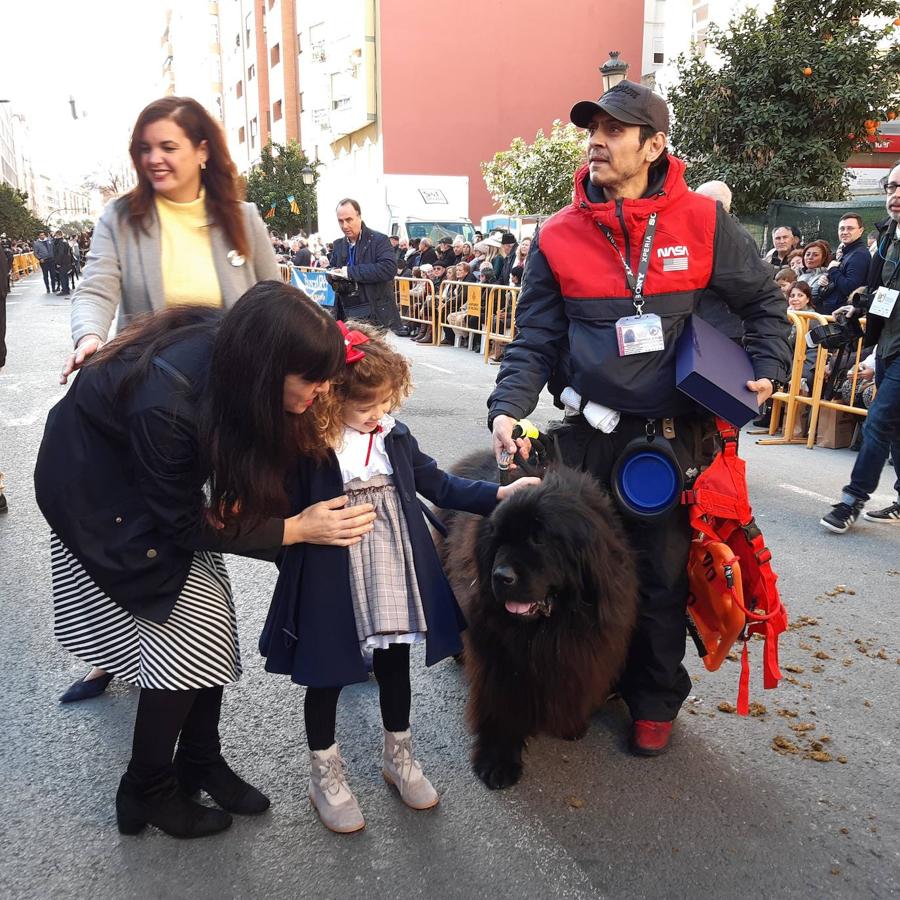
<point x="405" y="773"/>
<point x="330" y="794"/>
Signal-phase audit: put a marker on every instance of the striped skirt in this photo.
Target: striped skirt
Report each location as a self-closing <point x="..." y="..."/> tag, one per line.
<point x="196" y="647"/>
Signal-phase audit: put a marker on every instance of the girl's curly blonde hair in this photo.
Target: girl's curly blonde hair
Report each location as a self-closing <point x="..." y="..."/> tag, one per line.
<point x="363" y="380"/>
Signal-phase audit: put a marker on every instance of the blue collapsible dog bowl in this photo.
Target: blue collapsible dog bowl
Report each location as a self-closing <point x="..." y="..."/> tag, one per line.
<point x="646" y="480"/>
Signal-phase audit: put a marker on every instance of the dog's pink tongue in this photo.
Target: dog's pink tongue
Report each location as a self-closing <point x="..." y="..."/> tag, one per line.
<point x="517" y="609"/>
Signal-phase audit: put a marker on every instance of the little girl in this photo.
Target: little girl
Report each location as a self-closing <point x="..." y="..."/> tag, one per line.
<point x="384" y="593"/>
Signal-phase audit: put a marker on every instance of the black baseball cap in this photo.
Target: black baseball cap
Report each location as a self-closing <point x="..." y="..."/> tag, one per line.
<point x="627" y="101"/>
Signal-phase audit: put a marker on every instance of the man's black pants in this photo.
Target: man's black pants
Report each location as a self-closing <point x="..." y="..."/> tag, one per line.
<point x="49" y="272"/>
<point x="654" y="683"/>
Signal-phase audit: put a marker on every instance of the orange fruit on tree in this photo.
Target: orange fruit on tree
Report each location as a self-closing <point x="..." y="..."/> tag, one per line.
<point x="807" y="71"/>
<point x="891" y="116"/>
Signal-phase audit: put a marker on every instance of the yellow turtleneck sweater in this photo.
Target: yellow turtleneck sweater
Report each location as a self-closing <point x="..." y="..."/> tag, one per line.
<point x="188" y="270"/>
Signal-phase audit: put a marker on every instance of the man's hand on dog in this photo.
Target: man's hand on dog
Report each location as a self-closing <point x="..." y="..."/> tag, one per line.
<point x="503" y="440"/>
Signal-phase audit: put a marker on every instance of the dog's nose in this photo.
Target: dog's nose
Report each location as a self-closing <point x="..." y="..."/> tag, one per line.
<point x="506" y="575"/>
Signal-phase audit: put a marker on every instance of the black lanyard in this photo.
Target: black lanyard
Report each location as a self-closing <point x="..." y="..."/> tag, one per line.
<point x="636" y="283"/>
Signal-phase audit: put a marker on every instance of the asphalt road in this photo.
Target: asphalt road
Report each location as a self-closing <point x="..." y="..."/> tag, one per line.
<point x="722" y="815"/>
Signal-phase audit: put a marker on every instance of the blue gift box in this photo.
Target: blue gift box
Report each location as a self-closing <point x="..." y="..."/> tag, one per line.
<point x="713" y="370"/>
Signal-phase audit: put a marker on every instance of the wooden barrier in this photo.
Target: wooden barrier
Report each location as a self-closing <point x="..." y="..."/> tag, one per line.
<point x="792" y="402"/>
<point x="786" y="402"/>
<point x="815" y="400"/>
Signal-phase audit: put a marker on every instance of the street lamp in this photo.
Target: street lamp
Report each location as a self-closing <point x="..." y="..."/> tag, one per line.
<point x="613" y="70"/>
<point x="308" y="176"/>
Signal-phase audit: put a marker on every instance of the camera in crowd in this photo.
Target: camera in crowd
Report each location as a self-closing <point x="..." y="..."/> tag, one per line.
<point x="344" y="287"/>
<point x="843" y="332"/>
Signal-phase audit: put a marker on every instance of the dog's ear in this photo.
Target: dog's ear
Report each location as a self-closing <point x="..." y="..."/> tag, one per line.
<point x="485" y="550"/>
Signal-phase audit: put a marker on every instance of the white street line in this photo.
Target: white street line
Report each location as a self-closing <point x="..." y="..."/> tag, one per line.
<point x="875" y="498"/>
<point x="436" y="368"/>
<point x="799" y="490"/>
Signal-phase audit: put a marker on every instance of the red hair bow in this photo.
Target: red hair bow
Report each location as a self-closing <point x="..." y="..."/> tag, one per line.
<point x="352" y="340"/>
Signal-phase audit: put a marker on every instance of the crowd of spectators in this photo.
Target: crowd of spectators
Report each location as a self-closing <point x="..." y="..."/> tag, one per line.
<point x="815" y="278"/>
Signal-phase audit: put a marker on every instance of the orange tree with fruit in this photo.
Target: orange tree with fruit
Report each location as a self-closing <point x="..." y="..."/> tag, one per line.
<point x="792" y="94"/>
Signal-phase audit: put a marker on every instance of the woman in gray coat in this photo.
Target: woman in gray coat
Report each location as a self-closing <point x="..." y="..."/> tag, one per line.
<point x="181" y="235"/>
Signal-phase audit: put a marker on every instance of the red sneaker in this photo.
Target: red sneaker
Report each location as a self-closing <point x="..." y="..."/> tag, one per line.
<point x="650" y="738"/>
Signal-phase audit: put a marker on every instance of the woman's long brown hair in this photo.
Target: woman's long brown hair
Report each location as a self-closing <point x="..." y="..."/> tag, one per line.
<point x="220" y="179"/>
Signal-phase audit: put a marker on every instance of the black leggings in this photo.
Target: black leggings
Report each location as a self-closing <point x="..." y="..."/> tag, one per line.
<point x="394" y="694"/>
<point x="164" y="715"/>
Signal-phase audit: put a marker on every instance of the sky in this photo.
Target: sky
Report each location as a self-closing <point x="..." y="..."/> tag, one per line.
<point x="104" y="53"/>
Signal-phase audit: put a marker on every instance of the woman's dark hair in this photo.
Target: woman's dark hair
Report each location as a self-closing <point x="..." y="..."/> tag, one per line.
<point x="804" y="288"/>
<point x="824" y="246"/>
<point x="220" y="178"/>
<point x="148" y="335"/>
<point x="252" y="443"/>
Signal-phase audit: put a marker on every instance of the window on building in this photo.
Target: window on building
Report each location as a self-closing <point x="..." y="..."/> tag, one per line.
<point x="268" y="120"/>
<point x="659" y="55"/>
<point x="251" y="72"/>
<point x="275" y="55"/>
<point x="248" y="25"/>
<point x="340" y="91"/>
<point x="276" y="111"/>
<point x="239" y="89"/>
<point x="253" y="129"/>
<point x="241" y="135"/>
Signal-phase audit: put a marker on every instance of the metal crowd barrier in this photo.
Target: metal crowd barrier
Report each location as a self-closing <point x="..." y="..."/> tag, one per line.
<point x="24" y="264"/>
<point x="416" y="302"/>
<point x="501" y="317"/>
<point x="468" y="309"/>
<point x="792" y="402"/>
<point x="462" y="307"/>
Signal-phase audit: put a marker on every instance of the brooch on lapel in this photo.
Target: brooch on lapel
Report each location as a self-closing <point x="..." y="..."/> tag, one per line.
<point x="235" y="258"/>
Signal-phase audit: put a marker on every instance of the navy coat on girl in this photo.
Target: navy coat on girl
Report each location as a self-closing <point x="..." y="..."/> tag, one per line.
<point x="310" y="633"/>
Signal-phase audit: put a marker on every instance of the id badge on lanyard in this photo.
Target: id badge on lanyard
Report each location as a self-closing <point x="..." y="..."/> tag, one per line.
<point x="642" y="332"/>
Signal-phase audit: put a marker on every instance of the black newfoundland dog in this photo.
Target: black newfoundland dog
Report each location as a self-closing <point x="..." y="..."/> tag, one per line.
<point x="548" y="586"/>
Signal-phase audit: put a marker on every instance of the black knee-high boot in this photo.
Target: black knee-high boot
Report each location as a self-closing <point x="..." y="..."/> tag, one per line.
<point x="199" y="762"/>
<point x="148" y="792"/>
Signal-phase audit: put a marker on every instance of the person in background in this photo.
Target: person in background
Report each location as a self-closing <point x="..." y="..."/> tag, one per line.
<point x="62" y="262"/>
<point x="816" y="257"/>
<point x="506" y="259"/>
<point x="180" y="236"/>
<point x="795" y="261"/>
<point x="301" y="256"/>
<point x="800" y="297"/>
<point x="43" y="250"/>
<point x="844" y="277"/>
<point x="880" y="303"/>
<point x="784" y="241"/>
<point x="364" y="266"/>
<point x="785" y="279"/>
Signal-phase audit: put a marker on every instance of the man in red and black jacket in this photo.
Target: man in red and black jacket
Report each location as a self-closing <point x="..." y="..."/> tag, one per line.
<point x="583" y="277"/>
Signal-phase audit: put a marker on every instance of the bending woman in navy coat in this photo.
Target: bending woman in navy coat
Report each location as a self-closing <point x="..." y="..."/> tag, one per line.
<point x="385" y="593"/>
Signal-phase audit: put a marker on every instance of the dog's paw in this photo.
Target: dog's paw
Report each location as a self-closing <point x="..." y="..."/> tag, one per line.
<point x="497" y="771"/>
